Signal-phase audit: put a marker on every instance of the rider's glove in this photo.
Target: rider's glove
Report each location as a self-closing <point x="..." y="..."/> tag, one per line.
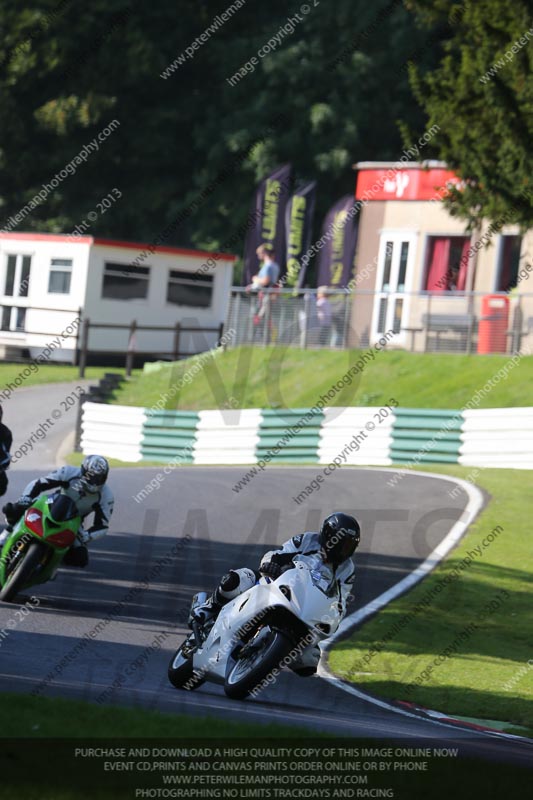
<point x="270" y="568"/>
<point x="25" y="501"/>
<point x="84" y="536"/>
<point x="9" y="511"/>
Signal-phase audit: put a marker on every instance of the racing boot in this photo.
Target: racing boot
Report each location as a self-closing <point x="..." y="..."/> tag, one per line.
<point x="231" y="585"/>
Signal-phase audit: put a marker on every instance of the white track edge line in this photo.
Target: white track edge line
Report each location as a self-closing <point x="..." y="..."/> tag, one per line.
<point x="457" y="531"/>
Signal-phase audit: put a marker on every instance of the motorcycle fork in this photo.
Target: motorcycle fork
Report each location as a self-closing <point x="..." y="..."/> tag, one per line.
<point x="16" y="553"/>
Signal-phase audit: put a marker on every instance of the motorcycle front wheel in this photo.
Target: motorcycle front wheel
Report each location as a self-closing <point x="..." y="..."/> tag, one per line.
<point x="181" y="673"/>
<point x="22" y="572"/>
<point x="256" y="662"/>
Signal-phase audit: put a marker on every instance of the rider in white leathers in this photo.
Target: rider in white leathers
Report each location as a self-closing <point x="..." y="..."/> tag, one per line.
<point x="335" y="543"/>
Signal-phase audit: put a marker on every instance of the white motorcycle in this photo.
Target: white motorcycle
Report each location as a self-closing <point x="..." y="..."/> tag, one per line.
<point x="264" y="628"/>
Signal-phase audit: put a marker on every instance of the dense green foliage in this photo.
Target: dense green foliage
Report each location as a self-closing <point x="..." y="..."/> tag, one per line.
<point x="190" y="146"/>
<point x="338" y="80"/>
<point x="481" y="96"/>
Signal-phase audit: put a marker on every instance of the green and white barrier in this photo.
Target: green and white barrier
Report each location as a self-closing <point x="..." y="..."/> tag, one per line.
<point x="289" y="436"/>
<point x="497" y="437"/>
<point x="227" y="437"/>
<point x="169" y="433"/>
<point x="358" y="435"/>
<point x="427" y="435"/>
<point x="366" y="436"/>
<point x="113" y="431"/>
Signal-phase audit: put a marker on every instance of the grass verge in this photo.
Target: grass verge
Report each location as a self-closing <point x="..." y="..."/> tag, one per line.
<point x="38" y="761"/>
<point x="482" y="671"/>
<point x="24" y="716"/>
<point x="280" y="377"/>
<point x="47" y="373"/>
<point x="68" y="750"/>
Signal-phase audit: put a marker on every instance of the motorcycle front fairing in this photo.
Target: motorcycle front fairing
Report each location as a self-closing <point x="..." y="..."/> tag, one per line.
<point x="34" y="525"/>
<point x="296" y="591"/>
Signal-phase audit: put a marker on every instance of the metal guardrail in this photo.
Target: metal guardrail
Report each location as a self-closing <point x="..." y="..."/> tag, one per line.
<point x="131" y="351"/>
<point x="451" y="322"/>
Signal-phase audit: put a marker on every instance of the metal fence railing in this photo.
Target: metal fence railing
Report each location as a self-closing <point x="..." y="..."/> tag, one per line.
<point x="451" y="322"/>
<point x="283" y="316"/>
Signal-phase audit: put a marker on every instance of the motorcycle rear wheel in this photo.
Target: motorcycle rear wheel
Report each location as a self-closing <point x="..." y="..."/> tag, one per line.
<point x="181" y="673"/>
<point x="22" y="573"/>
<point x="250" y="670"/>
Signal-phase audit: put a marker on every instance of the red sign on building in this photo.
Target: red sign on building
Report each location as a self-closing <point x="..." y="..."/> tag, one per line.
<point x="403" y="184"/>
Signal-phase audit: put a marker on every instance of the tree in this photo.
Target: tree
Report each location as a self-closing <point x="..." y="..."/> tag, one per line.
<point x="189" y="139"/>
<point x="481" y="96"/>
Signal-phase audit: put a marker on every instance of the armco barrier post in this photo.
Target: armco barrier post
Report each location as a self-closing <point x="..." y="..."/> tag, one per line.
<point x="77" y="347"/>
<point x="131" y="348"/>
<point x="306" y="320"/>
<point x="176" y="348"/>
<point x="84" y="346"/>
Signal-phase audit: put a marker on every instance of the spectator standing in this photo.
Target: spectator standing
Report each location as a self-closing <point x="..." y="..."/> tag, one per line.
<point x="265" y="280"/>
<point x="324" y="314"/>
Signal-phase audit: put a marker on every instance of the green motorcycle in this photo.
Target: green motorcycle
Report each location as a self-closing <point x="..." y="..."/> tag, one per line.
<point x="33" y="552"/>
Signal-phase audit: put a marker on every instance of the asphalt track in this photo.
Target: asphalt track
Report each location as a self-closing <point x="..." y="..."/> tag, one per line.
<point x="192" y="529"/>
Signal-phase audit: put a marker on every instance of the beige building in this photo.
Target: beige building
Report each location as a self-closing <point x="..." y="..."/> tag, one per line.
<point x="421" y="276"/>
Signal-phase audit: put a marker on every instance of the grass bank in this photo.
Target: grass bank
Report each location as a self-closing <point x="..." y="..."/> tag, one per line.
<point x="460" y="641"/>
<point x="254" y="377"/>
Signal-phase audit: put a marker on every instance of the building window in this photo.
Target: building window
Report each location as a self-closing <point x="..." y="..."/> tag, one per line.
<point x="122" y="282"/>
<point x="394" y="277"/>
<point x="189" y="289"/>
<point x="10" y="275"/>
<point x="20" y="319"/>
<point x="13" y="319"/>
<point x="6" y="318"/>
<point x="402" y="271"/>
<point x="447" y="263"/>
<point x="60" y="275"/>
<point x="509" y="263"/>
<point x="17" y="278"/>
<point x="385" y="283"/>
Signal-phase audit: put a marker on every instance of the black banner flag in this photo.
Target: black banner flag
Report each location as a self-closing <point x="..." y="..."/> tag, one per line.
<point x="267" y="212"/>
<point x="298" y="229"/>
<point x="339" y="234"/>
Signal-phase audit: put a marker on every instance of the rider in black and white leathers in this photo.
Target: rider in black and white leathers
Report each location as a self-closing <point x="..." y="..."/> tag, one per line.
<point x="335" y="543"/>
<point x="100" y="502"/>
<point x="78" y="484"/>
<point x="309" y="544"/>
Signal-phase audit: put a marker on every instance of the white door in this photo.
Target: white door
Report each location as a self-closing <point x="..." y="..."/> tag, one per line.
<point x="395" y="268"/>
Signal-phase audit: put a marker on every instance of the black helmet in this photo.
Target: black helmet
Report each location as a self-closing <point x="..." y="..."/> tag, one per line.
<point x="339" y="535"/>
<point x="94" y="470"/>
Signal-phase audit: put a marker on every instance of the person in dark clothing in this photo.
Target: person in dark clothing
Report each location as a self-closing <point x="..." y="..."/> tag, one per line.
<point x="6" y="440"/>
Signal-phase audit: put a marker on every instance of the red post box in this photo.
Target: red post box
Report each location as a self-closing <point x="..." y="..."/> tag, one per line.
<point x="493" y="324"/>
